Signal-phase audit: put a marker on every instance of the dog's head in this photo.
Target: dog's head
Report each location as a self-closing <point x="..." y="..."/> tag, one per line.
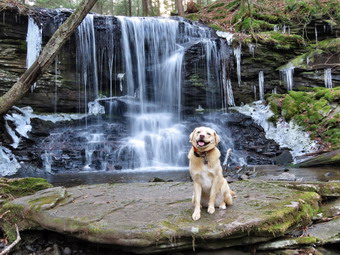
<point x="204" y="138"/>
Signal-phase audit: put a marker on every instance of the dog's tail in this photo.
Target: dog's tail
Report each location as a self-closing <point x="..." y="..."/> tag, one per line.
<point x="227" y="156"/>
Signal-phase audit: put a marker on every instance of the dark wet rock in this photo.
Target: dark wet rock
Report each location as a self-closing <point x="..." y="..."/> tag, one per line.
<point x="284" y="158"/>
<point x="147" y="217"/>
<point x="329" y="158"/>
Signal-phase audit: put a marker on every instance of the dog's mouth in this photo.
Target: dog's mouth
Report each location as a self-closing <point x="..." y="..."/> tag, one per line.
<point x="202" y="143"/>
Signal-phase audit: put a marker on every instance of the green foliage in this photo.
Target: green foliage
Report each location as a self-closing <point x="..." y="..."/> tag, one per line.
<point x="314" y="111"/>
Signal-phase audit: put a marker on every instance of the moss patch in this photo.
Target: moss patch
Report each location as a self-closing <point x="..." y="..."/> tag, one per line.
<point x="14" y="188"/>
<point x="315" y="111"/>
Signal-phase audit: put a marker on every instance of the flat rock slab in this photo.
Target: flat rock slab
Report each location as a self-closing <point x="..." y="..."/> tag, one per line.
<point x="154" y="217"/>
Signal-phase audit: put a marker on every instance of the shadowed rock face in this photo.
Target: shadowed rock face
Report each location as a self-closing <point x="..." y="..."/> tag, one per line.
<point x="156" y="217"/>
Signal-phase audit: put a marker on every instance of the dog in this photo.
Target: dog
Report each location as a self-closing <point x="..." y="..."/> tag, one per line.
<point x="210" y="188"/>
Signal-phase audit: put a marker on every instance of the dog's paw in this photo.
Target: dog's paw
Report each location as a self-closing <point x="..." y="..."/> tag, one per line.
<point x="196" y="215"/>
<point x="223" y="207"/>
<point x="211" y="209"/>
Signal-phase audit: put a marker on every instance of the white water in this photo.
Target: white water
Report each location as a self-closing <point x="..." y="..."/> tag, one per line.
<point x="156" y="134"/>
<point x="34" y="41"/>
<point x="287" y="135"/>
<point x="261" y="85"/>
<point x="148" y="83"/>
<point x="287" y="75"/>
<point x="87" y="61"/>
<point x="237" y="54"/>
<point x="328" y="78"/>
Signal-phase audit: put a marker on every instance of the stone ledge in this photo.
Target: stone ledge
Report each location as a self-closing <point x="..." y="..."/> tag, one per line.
<point x="154" y="217"/>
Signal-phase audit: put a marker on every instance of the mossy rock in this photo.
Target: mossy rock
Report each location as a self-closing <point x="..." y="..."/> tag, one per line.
<point x="19" y="187"/>
<point x="119" y="215"/>
<point x="316" y="111"/>
<point x="279" y="41"/>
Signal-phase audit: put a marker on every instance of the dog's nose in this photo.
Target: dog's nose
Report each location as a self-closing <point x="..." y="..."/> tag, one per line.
<point x="202" y="136"/>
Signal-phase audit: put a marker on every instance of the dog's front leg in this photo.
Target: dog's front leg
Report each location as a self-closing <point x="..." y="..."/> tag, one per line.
<point x="197" y="201"/>
<point x="213" y="192"/>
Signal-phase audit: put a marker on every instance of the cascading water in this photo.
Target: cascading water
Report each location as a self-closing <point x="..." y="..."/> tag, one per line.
<point x="130" y="74"/>
<point x="87" y="61"/>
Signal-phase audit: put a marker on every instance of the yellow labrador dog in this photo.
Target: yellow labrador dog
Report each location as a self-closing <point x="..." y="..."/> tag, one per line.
<point x="210" y="188"/>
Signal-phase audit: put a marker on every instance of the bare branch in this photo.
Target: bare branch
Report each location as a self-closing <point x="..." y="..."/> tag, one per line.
<point x="9" y="248"/>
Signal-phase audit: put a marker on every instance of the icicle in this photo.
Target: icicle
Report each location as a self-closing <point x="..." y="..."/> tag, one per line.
<point x="316" y="34"/>
<point x="237" y="54"/>
<point x="255" y="91"/>
<point x="287" y="74"/>
<point x="226" y="35"/>
<point x="120" y="77"/>
<point x="261" y="85"/>
<point x="251" y="49"/>
<point x="34" y="41"/>
<point x="47" y="161"/>
<point x="55" y="84"/>
<point x="328" y="78"/>
<point x="274" y="91"/>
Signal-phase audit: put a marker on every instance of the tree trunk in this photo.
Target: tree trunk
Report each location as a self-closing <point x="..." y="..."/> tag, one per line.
<point x="18" y="90"/>
<point x="145" y="8"/>
<point x="180" y="8"/>
<point x="130" y="7"/>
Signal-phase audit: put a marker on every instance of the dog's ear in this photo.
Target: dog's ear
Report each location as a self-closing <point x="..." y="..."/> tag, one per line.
<point x="192" y="135"/>
<point x="217" y="138"/>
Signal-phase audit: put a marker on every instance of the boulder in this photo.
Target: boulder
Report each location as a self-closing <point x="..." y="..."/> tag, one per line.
<point x="156" y="217"/>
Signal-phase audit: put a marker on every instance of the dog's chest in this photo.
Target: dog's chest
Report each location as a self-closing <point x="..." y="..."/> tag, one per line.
<point x="207" y="176"/>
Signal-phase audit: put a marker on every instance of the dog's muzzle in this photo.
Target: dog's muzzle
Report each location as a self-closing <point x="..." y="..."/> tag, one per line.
<point x="202" y="143"/>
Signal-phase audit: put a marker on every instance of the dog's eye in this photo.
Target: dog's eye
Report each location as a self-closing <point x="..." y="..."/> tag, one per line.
<point x="208" y="134"/>
<point x="198" y="132"/>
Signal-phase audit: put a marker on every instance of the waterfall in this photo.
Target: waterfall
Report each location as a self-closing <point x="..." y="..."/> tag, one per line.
<point x="130" y="74"/>
<point x="328" y="78"/>
<point x="237" y="54"/>
<point x="153" y="60"/>
<point x="87" y="61"/>
<point x="287" y="75"/>
<point x="261" y="85"/>
<point x="34" y="41"/>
